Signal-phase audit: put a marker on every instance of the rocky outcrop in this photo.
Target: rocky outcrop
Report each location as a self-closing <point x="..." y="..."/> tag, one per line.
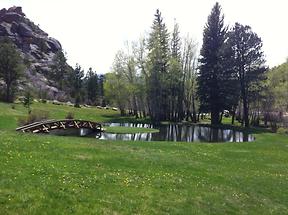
<point x="35" y="46"/>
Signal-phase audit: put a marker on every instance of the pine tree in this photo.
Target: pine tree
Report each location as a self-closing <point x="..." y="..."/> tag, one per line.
<point x="28" y="100"/>
<point x="92" y="86"/>
<point x="158" y="58"/>
<point x="11" y="68"/>
<point x="60" y="69"/>
<point x="176" y="85"/>
<point x="249" y="63"/>
<point x="101" y="90"/>
<point x="77" y="84"/>
<point x="211" y="74"/>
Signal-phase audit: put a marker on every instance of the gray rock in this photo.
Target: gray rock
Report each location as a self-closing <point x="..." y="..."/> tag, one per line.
<point x="54" y="45"/>
<point x="14" y="27"/>
<point x="3" y="31"/>
<point x="24" y="30"/>
<point x="17" y="10"/>
<point x="11" y="17"/>
<point x="35" y="47"/>
<point x="3" y="11"/>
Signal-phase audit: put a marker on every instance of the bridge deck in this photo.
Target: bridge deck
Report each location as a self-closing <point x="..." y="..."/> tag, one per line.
<point x="48" y="125"/>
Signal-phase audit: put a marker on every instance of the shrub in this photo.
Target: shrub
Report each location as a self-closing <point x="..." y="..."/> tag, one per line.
<point x="282" y="130"/>
<point x="69" y="115"/>
<point x="34" y="116"/>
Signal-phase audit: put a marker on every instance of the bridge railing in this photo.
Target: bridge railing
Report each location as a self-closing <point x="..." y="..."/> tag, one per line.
<point x="48" y="125"/>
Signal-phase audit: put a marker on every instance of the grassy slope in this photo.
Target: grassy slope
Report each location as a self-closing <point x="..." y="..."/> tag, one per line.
<point x="54" y="175"/>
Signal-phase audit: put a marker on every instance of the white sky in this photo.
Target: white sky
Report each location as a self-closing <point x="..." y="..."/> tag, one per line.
<point x="91" y="31"/>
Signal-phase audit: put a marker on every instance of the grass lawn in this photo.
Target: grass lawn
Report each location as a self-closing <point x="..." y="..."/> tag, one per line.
<point x="42" y="174"/>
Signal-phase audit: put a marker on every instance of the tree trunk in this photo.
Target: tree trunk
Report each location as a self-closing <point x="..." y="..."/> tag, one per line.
<point x="244" y="99"/>
<point x="8" y="92"/>
<point x="221" y="117"/>
<point x="135" y="109"/>
<point x="215" y="118"/>
<point x="198" y="117"/>
<point x="233" y="117"/>
<point x="245" y="112"/>
<point x="122" y="112"/>
<point x="194" y="110"/>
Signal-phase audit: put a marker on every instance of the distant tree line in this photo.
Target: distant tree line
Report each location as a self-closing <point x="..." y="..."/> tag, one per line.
<point x="80" y="87"/>
<point x="84" y="88"/>
<point x="163" y="77"/>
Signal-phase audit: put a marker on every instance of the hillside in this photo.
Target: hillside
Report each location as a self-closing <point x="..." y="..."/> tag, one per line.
<point x="35" y="46"/>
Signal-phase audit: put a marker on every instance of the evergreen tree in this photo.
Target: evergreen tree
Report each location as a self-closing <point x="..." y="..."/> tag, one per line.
<point x="92" y="86"/>
<point x="101" y="81"/>
<point x="249" y="63"/>
<point x="158" y="58"/>
<point x="60" y="69"/>
<point x="211" y="74"/>
<point x="28" y="100"/>
<point x="176" y="81"/>
<point x="11" y="68"/>
<point x="230" y="87"/>
<point x="77" y="84"/>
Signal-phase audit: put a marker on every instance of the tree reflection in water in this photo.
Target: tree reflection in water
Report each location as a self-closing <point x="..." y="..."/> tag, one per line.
<point x="169" y="132"/>
<point x="185" y="133"/>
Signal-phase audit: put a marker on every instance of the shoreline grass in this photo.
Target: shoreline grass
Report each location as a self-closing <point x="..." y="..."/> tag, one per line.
<point x="128" y="130"/>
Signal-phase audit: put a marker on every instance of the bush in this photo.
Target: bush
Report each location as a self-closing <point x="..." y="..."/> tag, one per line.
<point x="34" y="116"/>
<point x="282" y="130"/>
<point x="69" y="115"/>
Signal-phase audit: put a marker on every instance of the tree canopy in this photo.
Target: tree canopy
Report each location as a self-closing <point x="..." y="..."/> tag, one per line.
<point x="11" y="68"/>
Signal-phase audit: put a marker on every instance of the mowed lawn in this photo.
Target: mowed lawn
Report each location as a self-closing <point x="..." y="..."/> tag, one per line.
<point x="41" y="174"/>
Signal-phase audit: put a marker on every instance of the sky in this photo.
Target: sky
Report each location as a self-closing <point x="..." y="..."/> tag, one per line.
<point x="92" y="31"/>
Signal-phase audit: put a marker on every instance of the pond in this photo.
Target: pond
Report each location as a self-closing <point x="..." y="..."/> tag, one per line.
<point x="169" y="132"/>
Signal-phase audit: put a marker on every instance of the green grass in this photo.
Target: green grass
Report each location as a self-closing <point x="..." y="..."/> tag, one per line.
<point x="9" y="116"/>
<point x="129" y="130"/>
<point x="42" y="174"/>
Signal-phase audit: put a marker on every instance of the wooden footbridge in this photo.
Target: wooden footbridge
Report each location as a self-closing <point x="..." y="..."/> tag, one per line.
<point x="47" y="126"/>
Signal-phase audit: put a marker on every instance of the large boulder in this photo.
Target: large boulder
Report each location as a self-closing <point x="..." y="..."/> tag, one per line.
<point x="24" y="30"/>
<point x="34" y="45"/>
<point x="3" y="30"/>
<point x="14" y="27"/>
<point x="11" y="17"/>
<point x="17" y="10"/>
<point x="54" y="45"/>
<point x="2" y="12"/>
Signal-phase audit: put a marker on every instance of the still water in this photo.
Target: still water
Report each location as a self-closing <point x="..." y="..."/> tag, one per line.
<point x="169" y="132"/>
